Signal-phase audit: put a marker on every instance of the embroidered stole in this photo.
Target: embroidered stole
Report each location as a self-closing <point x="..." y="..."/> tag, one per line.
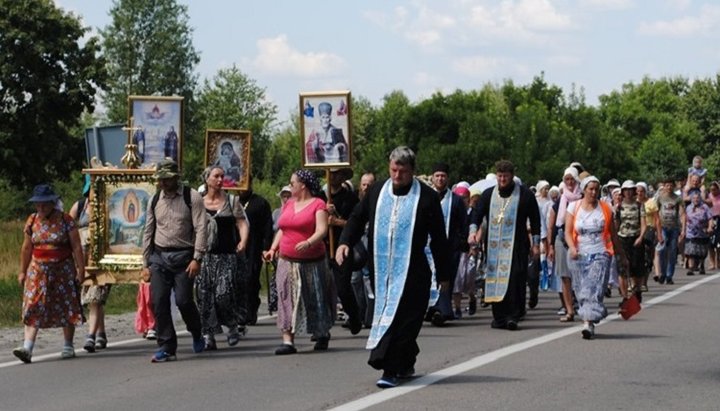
<point x="392" y="246"/>
<point x="501" y="239"/>
<point x="446" y="206"/>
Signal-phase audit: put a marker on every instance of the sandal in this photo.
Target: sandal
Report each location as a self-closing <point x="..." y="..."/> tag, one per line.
<point x="567" y="318"/>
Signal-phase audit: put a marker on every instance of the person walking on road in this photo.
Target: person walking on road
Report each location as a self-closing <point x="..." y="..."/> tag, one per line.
<point x="401" y="212"/>
<point x="174" y="243"/>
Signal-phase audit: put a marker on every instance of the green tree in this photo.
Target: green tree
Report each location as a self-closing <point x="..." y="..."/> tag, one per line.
<point x="231" y="100"/>
<point x="149" y="51"/>
<point x="47" y="80"/>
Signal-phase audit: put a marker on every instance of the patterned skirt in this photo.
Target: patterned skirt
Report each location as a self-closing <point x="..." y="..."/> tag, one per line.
<point x="219" y="287"/>
<point x="697" y="247"/>
<point x="590" y="274"/>
<point x="51" y="297"/>
<point x="306" y="297"/>
<point x="465" y="279"/>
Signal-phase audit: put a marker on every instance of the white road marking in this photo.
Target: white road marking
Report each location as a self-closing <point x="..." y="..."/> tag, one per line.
<point x="80" y="352"/>
<point x="479" y="361"/>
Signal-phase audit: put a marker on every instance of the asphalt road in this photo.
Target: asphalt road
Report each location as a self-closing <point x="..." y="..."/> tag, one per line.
<point x="665" y="358"/>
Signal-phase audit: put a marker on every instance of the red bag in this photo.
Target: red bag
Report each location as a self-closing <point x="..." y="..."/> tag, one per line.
<point x="629" y="307"/>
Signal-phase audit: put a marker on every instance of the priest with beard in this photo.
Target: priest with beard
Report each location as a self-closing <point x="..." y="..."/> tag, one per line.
<point x="402" y="214"/>
<point x="506" y="209"/>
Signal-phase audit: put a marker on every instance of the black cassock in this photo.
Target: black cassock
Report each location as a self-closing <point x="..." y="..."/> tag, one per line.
<point x="397" y="350"/>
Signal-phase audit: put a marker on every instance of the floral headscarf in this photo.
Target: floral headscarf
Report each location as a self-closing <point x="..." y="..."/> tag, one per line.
<point x="310" y="180"/>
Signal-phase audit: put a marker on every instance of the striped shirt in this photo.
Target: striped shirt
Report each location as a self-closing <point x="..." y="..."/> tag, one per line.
<point x="173" y="225"/>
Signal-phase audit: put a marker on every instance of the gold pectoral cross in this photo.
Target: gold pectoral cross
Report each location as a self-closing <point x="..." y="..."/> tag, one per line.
<point x="500" y="217"/>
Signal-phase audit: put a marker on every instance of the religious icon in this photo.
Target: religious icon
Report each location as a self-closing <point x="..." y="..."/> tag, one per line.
<point x="157" y="125"/>
<point x="126" y="207"/>
<point x="230" y="150"/>
<point x="326" y="129"/>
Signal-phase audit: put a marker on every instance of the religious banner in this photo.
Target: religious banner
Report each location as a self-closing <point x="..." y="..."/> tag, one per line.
<point x="157" y="128"/>
<point x="325" y="129"/>
<point x="230" y="150"/>
<point x="119" y="201"/>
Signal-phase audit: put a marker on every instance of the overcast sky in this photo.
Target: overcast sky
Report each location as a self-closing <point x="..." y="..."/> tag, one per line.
<point x="372" y="47"/>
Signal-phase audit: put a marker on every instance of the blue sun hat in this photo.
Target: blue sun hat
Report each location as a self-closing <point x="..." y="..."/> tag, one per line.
<point x="43" y="193"/>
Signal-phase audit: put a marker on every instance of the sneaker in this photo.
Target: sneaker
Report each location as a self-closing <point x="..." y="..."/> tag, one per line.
<point x="233" y="339"/>
<point x="387" y="381"/>
<point x="210" y="344"/>
<point x="198" y="345"/>
<point x="67" y="352"/>
<point x="101" y="342"/>
<point x="588" y="331"/>
<point x="163" y="356"/>
<point x="23" y="355"/>
<point x="512" y="325"/>
<point x="322" y="344"/>
<point x="285" y="349"/>
<point x="151" y="335"/>
<point x="89" y="344"/>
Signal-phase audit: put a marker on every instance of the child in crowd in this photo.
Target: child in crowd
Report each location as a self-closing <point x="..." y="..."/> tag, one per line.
<point x="697" y="169"/>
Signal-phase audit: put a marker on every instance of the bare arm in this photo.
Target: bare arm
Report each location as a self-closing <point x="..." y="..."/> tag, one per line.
<point x="244" y="230"/>
<point x="321" y="229"/>
<point x="77" y="254"/>
<point x="25" y="256"/>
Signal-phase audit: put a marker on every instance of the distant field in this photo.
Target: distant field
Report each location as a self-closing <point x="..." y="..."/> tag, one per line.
<point x="10" y="241"/>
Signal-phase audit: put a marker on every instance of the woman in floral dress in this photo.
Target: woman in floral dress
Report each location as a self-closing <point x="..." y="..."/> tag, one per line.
<point x="51" y="269"/>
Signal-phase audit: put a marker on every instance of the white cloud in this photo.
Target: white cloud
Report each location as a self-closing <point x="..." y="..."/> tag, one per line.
<point x="608" y="4"/>
<point x="562" y="60"/>
<point x="431" y="26"/>
<point x="479" y="66"/>
<point x="678" y="4"/>
<point x="703" y="24"/>
<point x="276" y="56"/>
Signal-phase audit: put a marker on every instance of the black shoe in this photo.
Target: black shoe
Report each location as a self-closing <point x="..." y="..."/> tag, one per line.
<point x="499" y="325"/>
<point x="608" y="292"/>
<point x="669" y="281"/>
<point x="407" y="374"/>
<point x="387" y="381"/>
<point x="702" y="270"/>
<point x="438" y="319"/>
<point x="662" y="280"/>
<point x="285" y="349"/>
<point x="690" y="272"/>
<point x="512" y="325"/>
<point x="533" y="301"/>
<point x="322" y="344"/>
<point x="472" y="307"/>
<point x="355" y="327"/>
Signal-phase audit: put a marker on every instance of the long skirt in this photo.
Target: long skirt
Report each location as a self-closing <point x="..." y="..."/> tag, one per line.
<point x="51" y="297"/>
<point x="696" y="247"/>
<point x="561" y="265"/>
<point x="217" y="292"/>
<point x="305" y="297"/>
<point x="590" y="275"/>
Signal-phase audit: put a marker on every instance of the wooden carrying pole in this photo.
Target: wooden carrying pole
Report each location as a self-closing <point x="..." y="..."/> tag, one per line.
<point x="331" y="233"/>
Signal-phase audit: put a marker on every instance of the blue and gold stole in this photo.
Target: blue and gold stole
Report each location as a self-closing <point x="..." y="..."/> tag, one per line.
<point x="392" y="246"/>
<point x="501" y="239"/>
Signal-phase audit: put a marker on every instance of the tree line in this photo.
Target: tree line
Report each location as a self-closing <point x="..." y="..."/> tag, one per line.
<point x="52" y="72"/>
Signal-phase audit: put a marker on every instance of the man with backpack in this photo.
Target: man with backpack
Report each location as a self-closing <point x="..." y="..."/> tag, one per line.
<point x="173" y="246"/>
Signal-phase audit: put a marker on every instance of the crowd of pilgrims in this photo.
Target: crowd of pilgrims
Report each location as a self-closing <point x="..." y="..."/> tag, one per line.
<point x="594" y="239"/>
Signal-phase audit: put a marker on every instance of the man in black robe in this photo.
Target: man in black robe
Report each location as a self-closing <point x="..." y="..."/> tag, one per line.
<point x="511" y="309"/>
<point x="397" y="349"/>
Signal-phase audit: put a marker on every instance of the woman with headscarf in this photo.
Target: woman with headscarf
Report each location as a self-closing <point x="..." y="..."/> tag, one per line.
<point x="52" y="267"/>
<point x="223" y="266"/>
<point x="592" y="241"/>
<point x="713" y="201"/>
<point x="304" y="283"/>
<point x="570" y="194"/>
<point x="698" y="226"/>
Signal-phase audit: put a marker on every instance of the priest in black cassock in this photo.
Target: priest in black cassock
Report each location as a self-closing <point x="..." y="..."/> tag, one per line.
<point x="401" y="212"/>
<point x="506" y="210"/>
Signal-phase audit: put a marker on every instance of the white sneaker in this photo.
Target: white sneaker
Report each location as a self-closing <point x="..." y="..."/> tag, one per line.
<point x="151" y="335"/>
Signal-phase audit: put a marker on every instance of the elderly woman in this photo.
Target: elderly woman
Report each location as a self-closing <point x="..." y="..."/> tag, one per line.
<point x="304" y="283"/>
<point x="698" y="226"/>
<point x="223" y="266"/>
<point x="631" y="226"/>
<point x="558" y="253"/>
<point x="592" y="241"/>
<point x="51" y="269"/>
